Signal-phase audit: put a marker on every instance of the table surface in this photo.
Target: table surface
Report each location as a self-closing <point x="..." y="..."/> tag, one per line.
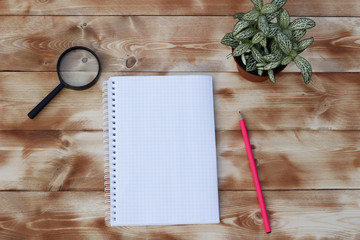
<point x="305" y="138"/>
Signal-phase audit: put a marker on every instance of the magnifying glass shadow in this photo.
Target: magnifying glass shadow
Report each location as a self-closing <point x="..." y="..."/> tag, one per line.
<point x="78" y="68"/>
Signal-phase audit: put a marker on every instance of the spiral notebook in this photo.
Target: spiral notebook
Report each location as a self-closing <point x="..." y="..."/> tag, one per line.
<point x="161" y="164"/>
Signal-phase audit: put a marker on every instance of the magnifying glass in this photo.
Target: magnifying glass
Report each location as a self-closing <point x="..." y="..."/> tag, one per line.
<point x="78" y="68"/>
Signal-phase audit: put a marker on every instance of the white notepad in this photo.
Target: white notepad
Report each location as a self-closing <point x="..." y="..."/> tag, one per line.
<point x="162" y="156"/>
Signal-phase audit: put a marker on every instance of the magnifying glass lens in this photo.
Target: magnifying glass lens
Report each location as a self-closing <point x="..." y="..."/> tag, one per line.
<point x="78" y="68"/>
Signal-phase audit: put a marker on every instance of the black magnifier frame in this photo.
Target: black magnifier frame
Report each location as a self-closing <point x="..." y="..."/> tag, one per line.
<point x="83" y="87"/>
<point x="63" y="83"/>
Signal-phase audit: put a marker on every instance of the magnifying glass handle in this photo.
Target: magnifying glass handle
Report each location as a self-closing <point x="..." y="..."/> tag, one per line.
<point x="45" y="101"/>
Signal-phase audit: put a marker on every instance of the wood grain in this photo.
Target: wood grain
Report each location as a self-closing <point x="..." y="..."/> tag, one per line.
<point x="80" y="215"/>
<point x="159" y="43"/>
<point x="73" y="160"/>
<point x="305" y="138"/>
<point x="287" y="105"/>
<point x="170" y="7"/>
<point x="51" y="160"/>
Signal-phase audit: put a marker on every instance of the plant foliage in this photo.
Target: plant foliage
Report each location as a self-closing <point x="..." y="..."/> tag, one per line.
<point x="264" y="45"/>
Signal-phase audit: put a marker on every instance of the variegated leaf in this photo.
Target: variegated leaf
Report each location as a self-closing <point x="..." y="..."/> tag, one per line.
<point x="243" y="59"/>
<point x="247" y="33"/>
<point x="263" y="43"/>
<point x="286" y="60"/>
<point x="273" y="28"/>
<point x="301" y="23"/>
<point x="273" y="57"/>
<point x="266" y="51"/>
<point x="284" y="19"/>
<point x="229" y="40"/>
<point x="305" y="68"/>
<point x="263" y="24"/>
<point x="239" y="26"/>
<point x="252" y="15"/>
<point x="241" y="49"/>
<point x="238" y="15"/>
<point x="274" y="46"/>
<point x="256" y="55"/>
<point x="271" y="76"/>
<point x="279" y="3"/>
<point x="294" y="45"/>
<point x="251" y="64"/>
<point x="261" y="64"/>
<point x="287" y="32"/>
<point x="258" y="4"/>
<point x="284" y="42"/>
<point x="258" y="37"/>
<point x="269" y="8"/>
<point x="260" y="71"/>
<point x="273" y="15"/>
<point x="272" y="65"/>
<point x="293" y="54"/>
<point x="298" y="34"/>
<point x="304" y="44"/>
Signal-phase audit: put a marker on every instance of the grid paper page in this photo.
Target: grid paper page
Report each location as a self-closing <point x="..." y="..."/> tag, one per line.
<point x="163" y="151"/>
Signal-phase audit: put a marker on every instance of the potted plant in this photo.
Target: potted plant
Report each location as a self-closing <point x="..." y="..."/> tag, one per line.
<point x="264" y="41"/>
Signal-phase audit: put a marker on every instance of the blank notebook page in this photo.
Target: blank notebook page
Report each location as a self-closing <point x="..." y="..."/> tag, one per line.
<point x="162" y="150"/>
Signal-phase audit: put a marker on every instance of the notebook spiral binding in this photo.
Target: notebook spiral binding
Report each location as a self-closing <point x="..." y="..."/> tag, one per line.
<point x="110" y="150"/>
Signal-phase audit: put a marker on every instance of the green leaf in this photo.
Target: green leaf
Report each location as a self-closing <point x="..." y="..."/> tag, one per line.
<point x="257" y="37"/>
<point x="274" y="46"/>
<point x="242" y="48"/>
<point x="252" y="15"/>
<point x="271" y="76"/>
<point x="238" y="15"/>
<point x="272" y="65"/>
<point x="273" y="28"/>
<point x="298" y="34"/>
<point x="286" y="60"/>
<point x="263" y="43"/>
<point x="273" y="57"/>
<point x="243" y="59"/>
<point x="251" y="64"/>
<point x="284" y="42"/>
<point x="279" y="3"/>
<point x="263" y="24"/>
<point x="287" y="32"/>
<point x="269" y="8"/>
<point x="229" y="40"/>
<point x="256" y="55"/>
<point x="258" y="4"/>
<point x="266" y="51"/>
<point x="293" y="54"/>
<point x="247" y="33"/>
<point x="305" y="68"/>
<point x="273" y="15"/>
<point x="294" y="45"/>
<point x="302" y="23"/>
<point x="262" y="64"/>
<point x="284" y="19"/>
<point x="304" y="44"/>
<point x="239" y="26"/>
<point x="260" y="71"/>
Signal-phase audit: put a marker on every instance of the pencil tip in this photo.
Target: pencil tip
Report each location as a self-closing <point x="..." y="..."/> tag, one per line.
<point x="241" y="116"/>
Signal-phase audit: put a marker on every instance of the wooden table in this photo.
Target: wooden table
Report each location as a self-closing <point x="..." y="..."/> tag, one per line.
<point x="305" y="137"/>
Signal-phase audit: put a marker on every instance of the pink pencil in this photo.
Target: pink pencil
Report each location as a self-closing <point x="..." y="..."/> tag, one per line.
<point x="255" y="175"/>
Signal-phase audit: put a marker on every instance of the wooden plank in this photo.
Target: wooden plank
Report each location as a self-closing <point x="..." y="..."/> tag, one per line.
<point x="159" y="43"/>
<point x="170" y="7"/>
<point x="73" y="160"/>
<point x="330" y="102"/>
<point x="51" y="160"/>
<point x="290" y="159"/>
<point x="78" y="215"/>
